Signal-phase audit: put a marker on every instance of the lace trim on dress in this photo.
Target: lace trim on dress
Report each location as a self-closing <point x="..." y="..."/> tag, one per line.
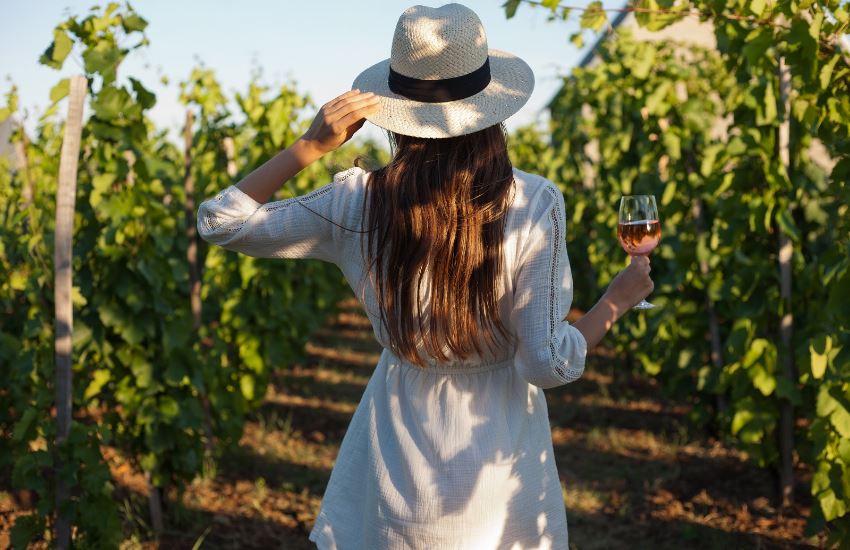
<point x="567" y="374"/>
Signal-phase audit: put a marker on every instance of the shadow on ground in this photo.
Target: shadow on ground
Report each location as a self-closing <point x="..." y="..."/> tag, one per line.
<point x="630" y="474"/>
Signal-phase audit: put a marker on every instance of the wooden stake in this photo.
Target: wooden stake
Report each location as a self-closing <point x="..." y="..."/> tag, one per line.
<point x="195" y="276"/>
<point x="64" y="231"/>
<point x="155" y="505"/>
<point x="717" y="360"/>
<point x="786" y="408"/>
<point x="191" y="229"/>
<point x="230" y="153"/>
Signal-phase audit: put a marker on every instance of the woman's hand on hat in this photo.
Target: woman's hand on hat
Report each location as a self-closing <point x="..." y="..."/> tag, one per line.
<point x="339" y="119"/>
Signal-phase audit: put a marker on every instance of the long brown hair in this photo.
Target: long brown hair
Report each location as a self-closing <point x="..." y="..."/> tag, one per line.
<point x="440" y="205"/>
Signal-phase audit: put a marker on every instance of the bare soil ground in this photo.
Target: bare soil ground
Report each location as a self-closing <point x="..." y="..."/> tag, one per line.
<point x="630" y="474"/>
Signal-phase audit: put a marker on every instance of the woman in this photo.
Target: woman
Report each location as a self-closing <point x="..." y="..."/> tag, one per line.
<point x="460" y="262"/>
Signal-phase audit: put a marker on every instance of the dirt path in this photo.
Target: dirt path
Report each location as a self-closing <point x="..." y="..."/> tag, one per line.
<point x="630" y="476"/>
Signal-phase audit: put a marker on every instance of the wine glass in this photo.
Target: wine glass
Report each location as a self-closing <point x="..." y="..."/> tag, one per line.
<point x="639" y="229"/>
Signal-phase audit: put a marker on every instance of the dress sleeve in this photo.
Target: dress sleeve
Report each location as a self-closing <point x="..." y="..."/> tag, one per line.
<point x="550" y="351"/>
<point x="278" y="229"/>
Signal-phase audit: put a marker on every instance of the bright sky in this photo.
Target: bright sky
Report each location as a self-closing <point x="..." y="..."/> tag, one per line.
<point x="323" y="45"/>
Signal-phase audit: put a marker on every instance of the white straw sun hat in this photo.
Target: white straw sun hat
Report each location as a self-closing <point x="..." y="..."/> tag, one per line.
<point x="441" y="79"/>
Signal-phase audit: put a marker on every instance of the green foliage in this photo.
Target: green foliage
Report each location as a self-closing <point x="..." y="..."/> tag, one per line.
<point x="699" y="130"/>
<point x="146" y="381"/>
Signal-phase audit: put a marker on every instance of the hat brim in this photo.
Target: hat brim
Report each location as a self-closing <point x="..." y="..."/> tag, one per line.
<point x="511" y="84"/>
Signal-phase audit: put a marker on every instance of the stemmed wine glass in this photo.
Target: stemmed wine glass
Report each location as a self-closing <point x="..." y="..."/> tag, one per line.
<point x="639" y="229"/>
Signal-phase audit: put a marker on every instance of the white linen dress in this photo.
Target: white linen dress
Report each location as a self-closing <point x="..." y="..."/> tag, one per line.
<point x="458" y="456"/>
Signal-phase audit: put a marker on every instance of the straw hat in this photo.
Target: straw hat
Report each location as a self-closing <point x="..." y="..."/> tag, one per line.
<point x="441" y="79"/>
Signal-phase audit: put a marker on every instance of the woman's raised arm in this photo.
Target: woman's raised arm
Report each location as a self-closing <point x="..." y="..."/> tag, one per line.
<point x="333" y="125"/>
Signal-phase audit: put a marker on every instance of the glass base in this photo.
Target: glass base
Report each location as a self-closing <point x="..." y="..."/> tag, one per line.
<point x="643" y="304"/>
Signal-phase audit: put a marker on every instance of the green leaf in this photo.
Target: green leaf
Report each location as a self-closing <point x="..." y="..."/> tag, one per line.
<point x="103" y="59"/>
<point x="840" y="419"/>
<point x="819" y="350"/>
<point x="55" y="54"/>
<point x="741" y="418"/>
<point x="145" y="97"/>
<point x="673" y="144"/>
<point x="99" y="378"/>
<point x="786" y="223"/>
<point x="669" y="193"/>
<point x="815" y="25"/>
<point x="767" y="115"/>
<point x="111" y="103"/>
<point x="832" y="506"/>
<point x="143" y="371"/>
<point x="577" y="38"/>
<point x="246" y="385"/>
<point x="168" y="407"/>
<point x="18" y="279"/>
<point x="60" y="90"/>
<point x="757" y="7"/>
<point x="101" y="185"/>
<point x="652" y="17"/>
<point x="25" y="528"/>
<point x="135" y="22"/>
<point x="593" y="16"/>
<point x="708" y="158"/>
<point x="764" y="381"/>
<point x="22" y="427"/>
<point x="77" y="298"/>
<point x="803" y="37"/>
<point x="643" y="65"/>
<point x="510" y="8"/>
<point x="756" y="45"/>
<point x="657" y="103"/>
<point x="756" y="350"/>
<point x="825" y="403"/>
<point x="826" y="71"/>
<point x="844" y="450"/>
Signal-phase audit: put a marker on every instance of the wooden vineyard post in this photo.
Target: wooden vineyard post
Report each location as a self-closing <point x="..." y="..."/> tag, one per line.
<point x="154" y="497"/>
<point x="155" y="505"/>
<point x="192" y="250"/>
<point x="63" y="249"/>
<point x="716" y="355"/>
<point x="195" y="274"/>
<point x="230" y="153"/>
<point x="786" y="249"/>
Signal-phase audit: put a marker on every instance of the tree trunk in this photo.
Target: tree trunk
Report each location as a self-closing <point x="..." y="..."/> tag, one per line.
<point x="786" y="408"/>
<point x="62" y="262"/>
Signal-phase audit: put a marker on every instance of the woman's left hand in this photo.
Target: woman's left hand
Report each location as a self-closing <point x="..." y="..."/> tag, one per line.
<point x="339" y="119"/>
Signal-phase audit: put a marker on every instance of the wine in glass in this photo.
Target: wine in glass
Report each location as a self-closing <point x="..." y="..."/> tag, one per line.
<point x="639" y="229"/>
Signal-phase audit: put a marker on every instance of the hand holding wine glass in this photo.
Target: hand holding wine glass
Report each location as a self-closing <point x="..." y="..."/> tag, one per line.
<point x="639" y="230"/>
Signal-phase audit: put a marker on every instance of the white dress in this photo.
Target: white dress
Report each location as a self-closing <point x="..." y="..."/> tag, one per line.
<point x="458" y="456"/>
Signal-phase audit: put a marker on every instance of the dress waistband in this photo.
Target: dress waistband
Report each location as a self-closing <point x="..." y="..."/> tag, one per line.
<point x="453" y="368"/>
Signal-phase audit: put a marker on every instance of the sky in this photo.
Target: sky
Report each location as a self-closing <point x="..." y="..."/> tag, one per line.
<point x="322" y="45"/>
